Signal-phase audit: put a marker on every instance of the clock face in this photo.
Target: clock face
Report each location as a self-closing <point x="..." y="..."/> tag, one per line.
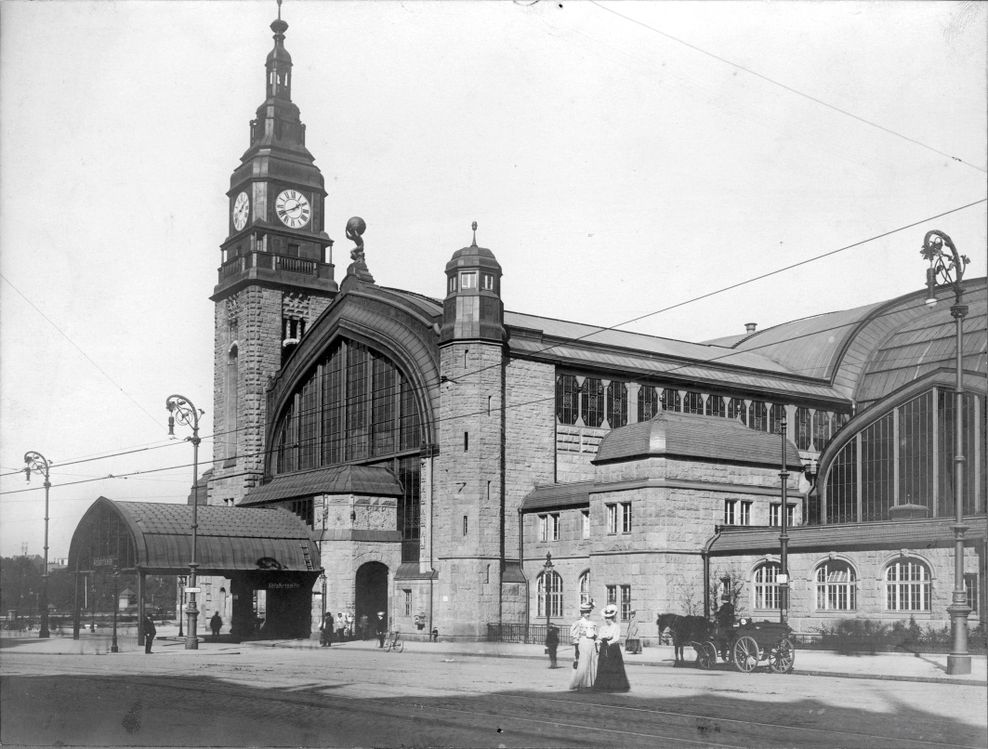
<point x="292" y="208"/>
<point x="241" y="207"/>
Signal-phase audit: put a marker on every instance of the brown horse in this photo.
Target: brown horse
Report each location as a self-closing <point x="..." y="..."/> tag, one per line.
<point x="684" y="630"/>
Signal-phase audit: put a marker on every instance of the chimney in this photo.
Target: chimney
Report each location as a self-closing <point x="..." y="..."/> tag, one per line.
<point x="749" y="327"/>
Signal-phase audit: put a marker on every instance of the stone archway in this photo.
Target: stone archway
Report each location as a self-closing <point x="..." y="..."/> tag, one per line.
<point x="371" y="592"/>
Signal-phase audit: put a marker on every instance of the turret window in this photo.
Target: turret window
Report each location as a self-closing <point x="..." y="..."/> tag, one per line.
<point x="488" y="281"/>
<point x="468" y="280"/>
<point x="452" y="284"/>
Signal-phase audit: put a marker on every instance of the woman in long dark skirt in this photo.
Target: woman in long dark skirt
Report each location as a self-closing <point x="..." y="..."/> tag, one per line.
<point x="610" y="664"/>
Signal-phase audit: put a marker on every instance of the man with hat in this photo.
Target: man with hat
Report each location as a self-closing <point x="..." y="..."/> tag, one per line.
<point x="381" y="625"/>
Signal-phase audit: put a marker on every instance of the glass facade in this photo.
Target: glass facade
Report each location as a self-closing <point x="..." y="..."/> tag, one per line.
<point x="907" y="457"/>
<point x="357" y="407"/>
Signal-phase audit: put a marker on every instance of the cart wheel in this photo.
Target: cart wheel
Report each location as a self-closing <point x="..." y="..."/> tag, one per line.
<point x="782" y="657"/>
<point x="746" y="654"/>
<point x="400" y="647"/>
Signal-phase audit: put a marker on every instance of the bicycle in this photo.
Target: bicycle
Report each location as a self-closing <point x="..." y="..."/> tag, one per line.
<point x="394" y="642"/>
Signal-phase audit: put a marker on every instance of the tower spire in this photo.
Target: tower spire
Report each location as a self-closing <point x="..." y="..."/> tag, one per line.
<point x="279" y="63"/>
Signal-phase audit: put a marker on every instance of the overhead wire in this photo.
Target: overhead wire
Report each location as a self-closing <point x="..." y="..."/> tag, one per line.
<point x="787" y="88"/>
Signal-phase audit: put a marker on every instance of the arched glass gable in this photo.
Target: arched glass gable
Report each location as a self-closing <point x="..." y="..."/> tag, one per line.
<point x="906" y="457"/>
<point x="356" y="407"/>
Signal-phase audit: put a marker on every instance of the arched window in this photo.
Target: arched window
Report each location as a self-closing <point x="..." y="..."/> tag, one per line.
<point x="231" y="410"/>
<point x="617" y="404"/>
<point x="648" y="403"/>
<point x="907" y="585"/>
<point x="592" y="402"/>
<point x="550" y="586"/>
<point x="670" y="400"/>
<point x="766" y="586"/>
<point x="567" y="399"/>
<point x="585" y="587"/>
<point x="835" y="586"/>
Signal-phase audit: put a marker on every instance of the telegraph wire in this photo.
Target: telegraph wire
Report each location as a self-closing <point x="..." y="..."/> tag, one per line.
<point x="788" y="88"/>
<point x="79" y="349"/>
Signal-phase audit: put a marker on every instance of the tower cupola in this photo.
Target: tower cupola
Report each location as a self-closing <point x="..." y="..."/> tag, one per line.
<point x="472" y="308"/>
<point x="279" y="63"/>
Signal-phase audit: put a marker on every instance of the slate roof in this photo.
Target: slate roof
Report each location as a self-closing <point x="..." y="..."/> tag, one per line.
<point x="365" y="480"/>
<point x="228" y="538"/>
<point x="709" y="438"/>
<point x="558" y="496"/>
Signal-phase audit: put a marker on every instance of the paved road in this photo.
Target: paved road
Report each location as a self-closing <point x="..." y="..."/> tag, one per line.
<point x="312" y="697"/>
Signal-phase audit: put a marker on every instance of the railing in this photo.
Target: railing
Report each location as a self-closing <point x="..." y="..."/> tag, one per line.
<point x="533" y="633"/>
<point x="266" y="260"/>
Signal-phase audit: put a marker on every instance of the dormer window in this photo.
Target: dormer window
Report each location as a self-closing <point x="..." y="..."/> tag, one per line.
<point x="468" y="280"/>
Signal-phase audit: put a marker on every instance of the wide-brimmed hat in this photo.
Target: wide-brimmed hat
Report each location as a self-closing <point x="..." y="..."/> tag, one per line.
<point x="380" y="613"/>
<point x="584" y="607"/>
<point x="610" y="611"/>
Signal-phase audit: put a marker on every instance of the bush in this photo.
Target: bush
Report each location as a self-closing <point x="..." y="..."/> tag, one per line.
<point x="857" y="636"/>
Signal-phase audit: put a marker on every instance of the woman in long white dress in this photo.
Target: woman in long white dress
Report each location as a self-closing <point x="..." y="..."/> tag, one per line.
<point x="583" y="634"/>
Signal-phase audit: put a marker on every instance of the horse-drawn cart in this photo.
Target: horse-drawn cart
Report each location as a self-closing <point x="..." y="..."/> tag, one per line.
<point x="748" y="645"/>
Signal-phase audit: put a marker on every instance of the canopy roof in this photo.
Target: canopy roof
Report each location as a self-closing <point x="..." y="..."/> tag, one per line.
<point x="156" y="538"/>
<point x="374" y="481"/>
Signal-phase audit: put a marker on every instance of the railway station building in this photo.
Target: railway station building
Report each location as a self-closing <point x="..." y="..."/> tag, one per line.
<point x="463" y="466"/>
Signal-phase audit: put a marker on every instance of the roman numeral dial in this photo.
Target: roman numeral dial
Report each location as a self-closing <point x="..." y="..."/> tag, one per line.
<point x="293" y="209"/>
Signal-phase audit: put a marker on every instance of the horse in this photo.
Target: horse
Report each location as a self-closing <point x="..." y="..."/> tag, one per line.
<point x="684" y="630"/>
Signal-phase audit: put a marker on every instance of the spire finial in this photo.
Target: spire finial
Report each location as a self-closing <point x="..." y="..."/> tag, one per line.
<point x="474" y="227"/>
<point x="279" y="10"/>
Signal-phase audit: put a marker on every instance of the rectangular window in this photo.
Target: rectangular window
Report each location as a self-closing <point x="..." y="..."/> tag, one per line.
<point x="468" y="280"/>
<point x="554" y="527"/>
<point x="612" y="518"/>
<point x="465" y="525"/>
<point x="543" y="527"/>
<point x="626" y="517"/>
<point x="585" y="523"/>
<point x="408" y="601"/>
<point x="737" y="512"/>
<point x="452" y="284"/>
<point x="971" y="586"/>
<point x="612" y="594"/>
<point x="488" y="280"/>
<point x="625" y="602"/>
<point x="775" y="516"/>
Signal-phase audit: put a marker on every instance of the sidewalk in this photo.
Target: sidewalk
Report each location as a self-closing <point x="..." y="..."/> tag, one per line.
<point x="924" y="667"/>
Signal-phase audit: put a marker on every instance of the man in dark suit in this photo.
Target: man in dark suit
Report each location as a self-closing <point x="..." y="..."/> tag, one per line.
<point x="381" y="624"/>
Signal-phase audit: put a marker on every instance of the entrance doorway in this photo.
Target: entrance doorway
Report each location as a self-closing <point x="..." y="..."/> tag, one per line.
<point x="371" y="593"/>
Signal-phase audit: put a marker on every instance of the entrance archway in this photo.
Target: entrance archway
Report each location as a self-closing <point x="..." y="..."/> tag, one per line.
<point x="371" y="592"/>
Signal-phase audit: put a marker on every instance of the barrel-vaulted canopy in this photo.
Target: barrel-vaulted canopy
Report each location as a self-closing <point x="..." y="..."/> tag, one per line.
<point x="156" y="538"/>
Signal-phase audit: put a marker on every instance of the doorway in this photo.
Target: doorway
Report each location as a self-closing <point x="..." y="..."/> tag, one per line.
<point x="371" y="593"/>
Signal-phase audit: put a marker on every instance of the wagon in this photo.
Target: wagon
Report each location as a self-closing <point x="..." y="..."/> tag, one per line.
<point x="748" y="645"/>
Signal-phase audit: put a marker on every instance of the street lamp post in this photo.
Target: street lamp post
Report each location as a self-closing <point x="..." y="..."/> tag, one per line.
<point x="35" y="461"/>
<point x="181" y="408"/>
<point x="116" y="605"/>
<point x="784" y="534"/>
<point x="181" y="603"/>
<point x="546" y="570"/>
<point x="947" y="269"/>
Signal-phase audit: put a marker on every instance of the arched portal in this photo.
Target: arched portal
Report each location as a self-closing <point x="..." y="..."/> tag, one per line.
<point x="371" y="591"/>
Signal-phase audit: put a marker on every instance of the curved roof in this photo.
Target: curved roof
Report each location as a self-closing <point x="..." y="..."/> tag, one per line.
<point x="870" y="351"/>
<point x="156" y="537"/>
<point x="346" y="479"/>
<point x="691" y="436"/>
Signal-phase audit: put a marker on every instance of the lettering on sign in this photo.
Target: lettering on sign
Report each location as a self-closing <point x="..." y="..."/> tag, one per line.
<point x="104" y="561"/>
<point x="281" y="586"/>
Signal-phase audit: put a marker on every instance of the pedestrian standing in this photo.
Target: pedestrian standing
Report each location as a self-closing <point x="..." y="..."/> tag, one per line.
<point x="349" y="624"/>
<point x="552" y="644"/>
<point x="381" y="627"/>
<point x="326" y="630"/>
<point x="633" y="640"/>
<point x="583" y="634"/>
<point x="611" y="676"/>
<point x="340" y="626"/>
<point x="215" y="624"/>
<point x="149" y="633"/>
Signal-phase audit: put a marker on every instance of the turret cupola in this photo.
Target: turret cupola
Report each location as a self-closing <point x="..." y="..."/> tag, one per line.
<point x="279" y="64"/>
<point x="472" y="308"/>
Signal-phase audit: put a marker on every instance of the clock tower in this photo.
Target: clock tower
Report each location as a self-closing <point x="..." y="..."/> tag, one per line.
<point x="275" y="276"/>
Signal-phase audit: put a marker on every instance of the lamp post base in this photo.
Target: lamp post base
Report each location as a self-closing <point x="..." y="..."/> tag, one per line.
<point x="958" y="665"/>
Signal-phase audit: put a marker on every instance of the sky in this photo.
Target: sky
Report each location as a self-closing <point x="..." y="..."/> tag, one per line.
<point x="677" y="169"/>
